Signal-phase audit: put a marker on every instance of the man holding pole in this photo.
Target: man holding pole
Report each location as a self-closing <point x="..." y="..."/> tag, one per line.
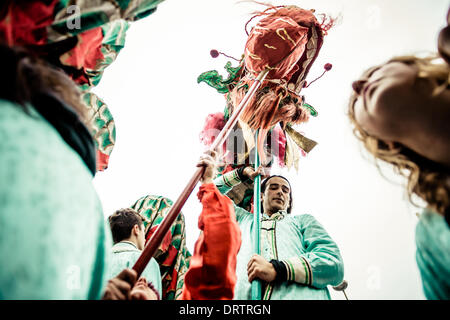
<point x="285" y="63"/>
<point x="298" y="258"/>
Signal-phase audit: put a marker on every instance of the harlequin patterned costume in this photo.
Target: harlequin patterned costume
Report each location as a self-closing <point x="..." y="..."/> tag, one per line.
<point x="172" y="255"/>
<point x="81" y="37"/>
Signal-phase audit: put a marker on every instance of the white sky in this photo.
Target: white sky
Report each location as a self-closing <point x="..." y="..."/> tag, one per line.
<point x="159" y="110"/>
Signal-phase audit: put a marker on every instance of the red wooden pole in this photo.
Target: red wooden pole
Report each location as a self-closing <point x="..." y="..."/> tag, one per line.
<point x="164" y="227"/>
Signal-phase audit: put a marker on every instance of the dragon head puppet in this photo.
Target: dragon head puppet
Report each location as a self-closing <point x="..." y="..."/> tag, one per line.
<point x="286" y="40"/>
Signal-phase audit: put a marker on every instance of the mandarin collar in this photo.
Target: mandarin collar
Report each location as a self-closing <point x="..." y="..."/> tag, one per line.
<point x="276" y="216"/>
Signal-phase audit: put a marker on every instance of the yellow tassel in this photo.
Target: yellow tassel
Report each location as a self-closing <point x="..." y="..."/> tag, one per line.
<point x="303" y="142"/>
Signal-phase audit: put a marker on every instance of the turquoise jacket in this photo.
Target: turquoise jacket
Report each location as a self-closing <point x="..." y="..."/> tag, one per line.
<point x="433" y="255"/>
<point x="124" y="254"/>
<point x="312" y="258"/>
<point x="53" y="238"/>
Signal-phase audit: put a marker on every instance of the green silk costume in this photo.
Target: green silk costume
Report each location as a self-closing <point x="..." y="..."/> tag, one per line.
<point x="433" y="255"/>
<point x="311" y="257"/>
<point x="53" y="239"/>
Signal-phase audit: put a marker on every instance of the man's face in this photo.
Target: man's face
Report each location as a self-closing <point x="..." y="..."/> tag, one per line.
<point x="276" y="196"/>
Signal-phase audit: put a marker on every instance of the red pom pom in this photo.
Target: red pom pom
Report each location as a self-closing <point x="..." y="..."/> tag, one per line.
<point x="328" y="66"/>
<point x="214" y="53"/>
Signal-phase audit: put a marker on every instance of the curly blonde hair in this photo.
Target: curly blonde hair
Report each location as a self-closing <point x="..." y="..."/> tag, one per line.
<point x="427" y="179"/>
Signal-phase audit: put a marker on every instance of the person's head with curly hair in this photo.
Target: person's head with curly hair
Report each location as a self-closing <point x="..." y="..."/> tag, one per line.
<point x="400" y="110"/>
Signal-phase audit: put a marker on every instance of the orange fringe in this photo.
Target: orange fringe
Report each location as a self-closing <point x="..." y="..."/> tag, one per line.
<point x="264" y="111"/>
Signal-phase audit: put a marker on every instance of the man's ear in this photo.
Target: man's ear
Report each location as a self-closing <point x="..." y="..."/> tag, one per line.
<point x="262" y="201"/>
<point x="136" y="229"/>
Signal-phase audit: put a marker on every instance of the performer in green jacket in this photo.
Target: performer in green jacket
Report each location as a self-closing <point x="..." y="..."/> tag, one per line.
<point x="127" y="228"/>
<point x="299" y="259"/>
<point x="53" y="237"/>
<point x="53" y="241"/>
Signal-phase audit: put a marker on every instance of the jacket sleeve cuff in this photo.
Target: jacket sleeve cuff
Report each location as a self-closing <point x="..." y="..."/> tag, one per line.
<point x="232" y="178"/>
<point x="298" y="270"/>
<point x="227" y="181"/>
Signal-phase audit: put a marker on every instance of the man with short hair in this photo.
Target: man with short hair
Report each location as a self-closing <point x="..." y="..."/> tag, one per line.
<point x="298" y="258"/>
<point x="128" y="233"/>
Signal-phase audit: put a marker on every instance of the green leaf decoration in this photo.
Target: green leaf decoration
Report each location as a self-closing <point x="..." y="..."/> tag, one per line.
<point x="215" y="80"/>
<point x="311" y="109"/>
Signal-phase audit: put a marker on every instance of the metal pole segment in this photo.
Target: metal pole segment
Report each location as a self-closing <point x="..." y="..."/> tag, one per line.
<point x="345" y="294"/>
<point x="256" y="284"/>
<point x="164" y="227"/>
<point x="220" y="139"/>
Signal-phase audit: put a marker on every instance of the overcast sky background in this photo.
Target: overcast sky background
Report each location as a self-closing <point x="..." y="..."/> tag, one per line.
<point x="159" y="110"/>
